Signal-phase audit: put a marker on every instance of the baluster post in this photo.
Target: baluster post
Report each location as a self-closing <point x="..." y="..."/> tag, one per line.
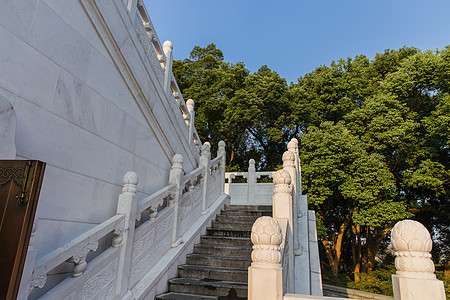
<point x="175" y="178"/>
<point x="127" y="206"/>
<point x="251" y="181"/>
<point x="265" y="275"/>
<point x="190" y="107"/>
<point x="289" y="166"/>
<point x="282" y="209"/>
<point x="167" y="48"/>
<point x="205" y="158"/>
<point x="293" y="147"/>
<point x="415" y="278"/>
<point x="222" y="153"/>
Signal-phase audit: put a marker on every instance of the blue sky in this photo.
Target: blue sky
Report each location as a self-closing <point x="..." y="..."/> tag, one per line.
<point x="293" y="37"/>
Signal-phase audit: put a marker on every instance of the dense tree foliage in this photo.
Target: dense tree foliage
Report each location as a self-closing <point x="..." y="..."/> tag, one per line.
<point x="374" y="139"/>
<point x="250" y="112"/>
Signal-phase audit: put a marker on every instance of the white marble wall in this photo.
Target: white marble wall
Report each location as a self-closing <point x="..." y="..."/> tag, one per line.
<point x="88" y="104"/>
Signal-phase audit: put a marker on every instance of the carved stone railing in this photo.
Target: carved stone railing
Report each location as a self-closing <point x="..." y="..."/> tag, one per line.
<point x="160" y="59"/>
<point x="300" y="261"/>
<point x="77" y="250"/>
<point x="126" y="247"/>
<point x="251" y="192"/>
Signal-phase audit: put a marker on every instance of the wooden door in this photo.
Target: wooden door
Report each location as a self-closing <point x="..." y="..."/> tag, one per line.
<point x="20" y="183"/>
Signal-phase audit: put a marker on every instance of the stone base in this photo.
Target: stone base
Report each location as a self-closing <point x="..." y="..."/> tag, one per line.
<point x="417" y="289"/>
<point x="265" y="283"/>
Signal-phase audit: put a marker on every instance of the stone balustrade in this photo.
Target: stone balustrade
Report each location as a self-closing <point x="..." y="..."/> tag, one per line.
<point x="251" y="192"/>
<point x="77" y="250"/>
<point x="140" y="235"/>
<point x="161" y="58"/>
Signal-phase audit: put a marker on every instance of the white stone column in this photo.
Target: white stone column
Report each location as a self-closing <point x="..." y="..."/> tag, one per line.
<point x="265" y="275"/>
<point x="251" y="182"/>
<point x="282" y="198"/>
<point x="175" y="177"/>
<point x="190" y="107"/>
<point x="127" y="205"/>
<point x="282" y="209"/>
<point x="167" y="48"/>
<point x="415" y="278"/>
<point x="293" y="147"/>
<point x="205" y="157"/>
<point x="223" y="161"/>
<point x="289" y="166"/>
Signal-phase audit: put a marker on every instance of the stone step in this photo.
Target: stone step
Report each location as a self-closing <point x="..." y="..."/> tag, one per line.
<point x="208" y="287"/>
<point x="248" y="207"/>
<point x="226" y="240"/>
<point x="218" y="261"/>
<point x="181" y="296"/>
<point x="227" y="232"/>
<point x="232" y="225"/>
<point x="223" y="250"/>
<point x="236" y="218"/>
<point x="246" y="212"/>
<point x="213" y="273"/>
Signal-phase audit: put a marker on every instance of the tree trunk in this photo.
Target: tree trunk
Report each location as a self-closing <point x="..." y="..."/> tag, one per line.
<point x="374" y="239"/>
<point x="334" y="251"/>
<point x="231" y="154"/>
<point x="356" y="251"/>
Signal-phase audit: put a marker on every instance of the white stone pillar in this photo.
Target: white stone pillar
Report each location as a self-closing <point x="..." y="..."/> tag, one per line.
<point x="282" y="209"/>
<point x="127" y="205"/>
<point x="265" y="275"/>
<point x="289" y="166"/>
<point x="175" y="177"/>
<point x="282" y="198"/>
<point x="223" y="161"/>
<point x="293" y="147"/>
<point x="167" y="48"/>
<point x="190" y="107"/>
<point x="415" y="278"/>
<point x="205" y="157"/>
<point x="251" y="182"/>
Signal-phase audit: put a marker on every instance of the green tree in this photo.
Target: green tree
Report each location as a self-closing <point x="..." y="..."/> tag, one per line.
<point x="250" y="112"/>
<point x="350" y="189"/>
<point x="396" y="108"/>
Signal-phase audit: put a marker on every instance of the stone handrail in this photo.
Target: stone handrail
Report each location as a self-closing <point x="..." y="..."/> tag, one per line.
<point x="152" y="202"/>
<point x="172" y="211"/>
<point x="77" y="250"/>
<point x="285" y="252"/>
<point x="252" y="192"/>
<point x="160" y="58"/>
<point x="300" y="261"/>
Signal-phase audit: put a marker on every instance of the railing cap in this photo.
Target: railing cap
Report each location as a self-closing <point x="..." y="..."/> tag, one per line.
<point x="190" y="105"/>
<point x="281" y="177"/>
<point x="167" y="46"/>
